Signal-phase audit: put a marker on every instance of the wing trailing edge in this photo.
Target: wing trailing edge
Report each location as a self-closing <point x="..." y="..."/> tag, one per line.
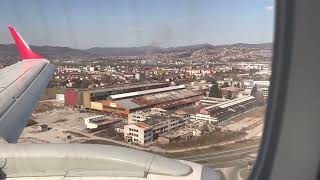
<point x="23" y="48"/>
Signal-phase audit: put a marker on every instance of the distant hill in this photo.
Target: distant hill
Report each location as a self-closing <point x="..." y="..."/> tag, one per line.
<point x="262" y="45"/>
<point x="54" y="51"/>
<point x="11" y="50"/>
<point x="123" y="51"/>
<point x="189" y="48"/>
<point x="135" y="51"/>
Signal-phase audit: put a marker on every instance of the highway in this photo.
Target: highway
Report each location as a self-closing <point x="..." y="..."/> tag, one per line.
<point x="230" y="162"/>
<point x="229" y="158"/>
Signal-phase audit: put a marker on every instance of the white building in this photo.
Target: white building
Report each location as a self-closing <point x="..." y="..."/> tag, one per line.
<point x="262" y="83"/>
<point x="137" y="76"/>
<point x="265" y="92"/>
<point x="60" y="97"/>
<point x="72" y="69"/>
<point x="88" y="121"/>
<point x="140" y="133"/>
<point x="225" y="110"/>
<point x="141" y="116"/>
<point x="230" y="82"/>
<point x="248" y="83"/>
<point x="158" y="125"/>
<point x="99" y="121"/>
<point x="163" y="124"/>
<point x="203" y="117"/>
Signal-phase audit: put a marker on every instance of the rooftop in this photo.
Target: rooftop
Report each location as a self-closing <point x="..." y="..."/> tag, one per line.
<point x="106" y="122"/>
<point x="125" y="87"/>
<point x="150" y="91"/>
<point x="178" y="133"/>
<point x="156" y="119"/>
<point x="143" y="125"/>
<point x="231" y="102"/>
<point x="232" y="89"/>
<point x="190" y="110"/>
<point x="161" y="100"/>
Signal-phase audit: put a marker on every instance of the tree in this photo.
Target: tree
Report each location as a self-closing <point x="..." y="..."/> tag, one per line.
<point x="215" y="91"/>
<point x="214" y="81"/>
<point x="225" y="84"/>
<point x="254" y="91"/>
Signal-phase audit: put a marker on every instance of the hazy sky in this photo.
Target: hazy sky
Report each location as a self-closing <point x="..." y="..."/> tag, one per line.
<point x="126" y="23"/>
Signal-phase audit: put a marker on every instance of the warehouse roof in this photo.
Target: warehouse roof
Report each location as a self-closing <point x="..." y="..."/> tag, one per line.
<point x="236" y="101"/>
<point x="161" y="100"/>
<point x="124" y="87"/>
<point x="150" y="91"/>
<point x="231" y="102"/>
<point x="128" y="103"/>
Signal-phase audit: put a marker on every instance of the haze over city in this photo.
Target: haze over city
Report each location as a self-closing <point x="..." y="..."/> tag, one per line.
<point x="85" y="24"/>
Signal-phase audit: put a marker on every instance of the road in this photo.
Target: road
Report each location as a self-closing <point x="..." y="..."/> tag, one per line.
<point x="230" y="162"/>
<point x="228" y="158"/>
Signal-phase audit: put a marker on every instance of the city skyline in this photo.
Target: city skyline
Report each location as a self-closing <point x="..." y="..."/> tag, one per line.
<point x="96" y="23"/>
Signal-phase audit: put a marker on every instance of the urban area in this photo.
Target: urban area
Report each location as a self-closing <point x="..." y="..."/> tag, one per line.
<point x="178" y="102"/>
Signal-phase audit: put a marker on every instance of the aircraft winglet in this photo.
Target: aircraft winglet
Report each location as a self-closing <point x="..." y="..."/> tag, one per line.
<point x="23" y="48"/>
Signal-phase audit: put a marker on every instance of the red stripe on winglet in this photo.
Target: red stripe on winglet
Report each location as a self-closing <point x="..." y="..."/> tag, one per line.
<point x="23" y="48"/>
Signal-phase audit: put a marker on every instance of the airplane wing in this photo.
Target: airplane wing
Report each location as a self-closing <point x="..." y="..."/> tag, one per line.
<point x="21" y="86"/>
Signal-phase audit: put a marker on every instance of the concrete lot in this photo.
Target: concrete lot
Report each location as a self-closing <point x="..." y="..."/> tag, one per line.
<point x="61" y="123"/>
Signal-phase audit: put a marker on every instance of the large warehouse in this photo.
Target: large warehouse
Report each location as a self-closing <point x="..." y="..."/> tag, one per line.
<point x="166" y="98"/>
<point x="225" y="110"/>
<point x="102" y="94"/>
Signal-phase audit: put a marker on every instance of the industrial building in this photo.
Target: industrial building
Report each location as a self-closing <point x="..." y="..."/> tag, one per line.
<point x="158" y="123"/>
<point x="140" y="133"/>
<point x="120" y="101"/>
<point x="73" y="98"/>
<point x="144" y="115"/>
<point x="102" y="94"/>
<point x="265" y="91"/>
<point x="233" y="92"/>
<point x="164" y="124"/>
<point x="99" y="122"/>
<point x="211" y="100"/>
<point x="180" y="134"/>
<point x="168" y="98"/>
<point x="203" y="117"/>
<point x="225" y="110"/>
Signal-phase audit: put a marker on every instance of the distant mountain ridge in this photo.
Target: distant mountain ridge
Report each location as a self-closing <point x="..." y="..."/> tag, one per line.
<point x="50" y="51"/>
